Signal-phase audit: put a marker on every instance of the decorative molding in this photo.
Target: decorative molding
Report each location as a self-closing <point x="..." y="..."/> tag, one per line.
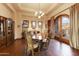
<point x="10" y="7"/>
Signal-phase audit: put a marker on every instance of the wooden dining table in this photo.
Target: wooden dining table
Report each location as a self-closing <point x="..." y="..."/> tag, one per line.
<point x="38" y="40"/>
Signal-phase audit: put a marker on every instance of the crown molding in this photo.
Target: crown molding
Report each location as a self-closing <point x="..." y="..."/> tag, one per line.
<point x="10" y="7"/>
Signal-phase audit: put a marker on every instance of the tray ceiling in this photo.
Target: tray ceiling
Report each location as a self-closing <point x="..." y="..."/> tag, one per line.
<point x="30" y="8"/>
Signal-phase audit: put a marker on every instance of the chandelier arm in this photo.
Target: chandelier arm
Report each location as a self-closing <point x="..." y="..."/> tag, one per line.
<point x="39" y="13"/>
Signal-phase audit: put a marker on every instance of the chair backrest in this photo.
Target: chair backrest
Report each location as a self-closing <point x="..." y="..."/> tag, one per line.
<point x="45" y="35"/>
<point x="29" y="41"/>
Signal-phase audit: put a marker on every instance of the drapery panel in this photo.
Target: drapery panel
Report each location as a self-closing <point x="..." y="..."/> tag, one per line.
<point x="74" y="40"/>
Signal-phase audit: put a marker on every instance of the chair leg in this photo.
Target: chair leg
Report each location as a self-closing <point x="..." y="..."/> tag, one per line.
<point x="33" y="53"/>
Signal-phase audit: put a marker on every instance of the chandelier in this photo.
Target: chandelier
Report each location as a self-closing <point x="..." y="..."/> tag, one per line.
<point x="39" y="13"/>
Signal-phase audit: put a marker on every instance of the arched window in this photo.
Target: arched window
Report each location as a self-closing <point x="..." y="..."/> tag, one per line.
<point x="62" y="25"/>
<point x="66" y="27"/>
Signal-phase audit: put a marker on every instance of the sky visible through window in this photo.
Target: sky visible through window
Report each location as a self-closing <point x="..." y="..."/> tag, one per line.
<point x="65" y="20"/>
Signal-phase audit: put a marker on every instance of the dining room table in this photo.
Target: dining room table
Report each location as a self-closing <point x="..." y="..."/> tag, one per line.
<point x="38" y="39"/>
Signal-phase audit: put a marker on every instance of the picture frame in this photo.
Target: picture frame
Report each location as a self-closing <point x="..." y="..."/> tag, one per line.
<point x="40" y="24"/>
<point x="33" y="24"/>
<point x="25" y="24"/>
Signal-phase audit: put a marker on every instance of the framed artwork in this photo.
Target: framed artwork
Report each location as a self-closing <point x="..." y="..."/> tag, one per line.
<point x="33" y="24"/>
<point x="25" y="23"/>
<point x="40" y="24"/>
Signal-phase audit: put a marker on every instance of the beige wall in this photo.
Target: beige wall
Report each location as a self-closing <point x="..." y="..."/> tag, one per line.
<point x="64" y="12"/>
<point x="20" y="18"/>
<point x="4" y="11"/>
<point x="61" y="8"/>
<point x="17" y="21"/>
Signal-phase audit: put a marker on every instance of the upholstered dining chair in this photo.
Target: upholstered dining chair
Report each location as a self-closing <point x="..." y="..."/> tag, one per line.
<point x="30" y="45"/>
<point x="45" y="39"/>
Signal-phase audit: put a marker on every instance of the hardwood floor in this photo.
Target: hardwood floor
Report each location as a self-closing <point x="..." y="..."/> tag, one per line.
<point x="16" y="49"/>
<point x="55" y="48"/>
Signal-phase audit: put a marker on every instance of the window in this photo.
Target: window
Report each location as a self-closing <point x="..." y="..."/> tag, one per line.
<point x="65" y="26"/>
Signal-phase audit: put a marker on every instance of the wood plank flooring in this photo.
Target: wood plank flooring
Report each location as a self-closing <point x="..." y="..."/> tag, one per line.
<point x="55" y="48"/>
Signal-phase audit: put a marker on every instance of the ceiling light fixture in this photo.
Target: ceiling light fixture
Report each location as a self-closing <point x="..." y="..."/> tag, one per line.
<point x="39" y="13"/>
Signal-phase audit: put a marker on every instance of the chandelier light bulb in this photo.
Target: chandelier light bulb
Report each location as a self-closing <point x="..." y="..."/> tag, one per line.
<point x="36" y="13"/>
<point x="39" y="16"/>
<point x="40" y="12"/>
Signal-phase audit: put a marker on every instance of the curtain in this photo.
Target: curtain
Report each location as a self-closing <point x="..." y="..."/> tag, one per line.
<point x="52" y="28"/>
<point x="74" y="40"/>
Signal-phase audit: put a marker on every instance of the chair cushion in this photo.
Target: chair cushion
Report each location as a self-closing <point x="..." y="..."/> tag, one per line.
<point x="44" y="40"/>
<point x="35" y="45"/>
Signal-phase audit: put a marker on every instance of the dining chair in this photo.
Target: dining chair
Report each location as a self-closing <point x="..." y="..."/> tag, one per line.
<point x="46" y="39"/>
<point x="31" y="46"/>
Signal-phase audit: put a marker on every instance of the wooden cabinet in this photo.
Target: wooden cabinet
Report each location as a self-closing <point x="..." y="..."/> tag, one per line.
<point x="6" y="31"/>
<point x="9" y="31"/>
<point x="2" y="31"/>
